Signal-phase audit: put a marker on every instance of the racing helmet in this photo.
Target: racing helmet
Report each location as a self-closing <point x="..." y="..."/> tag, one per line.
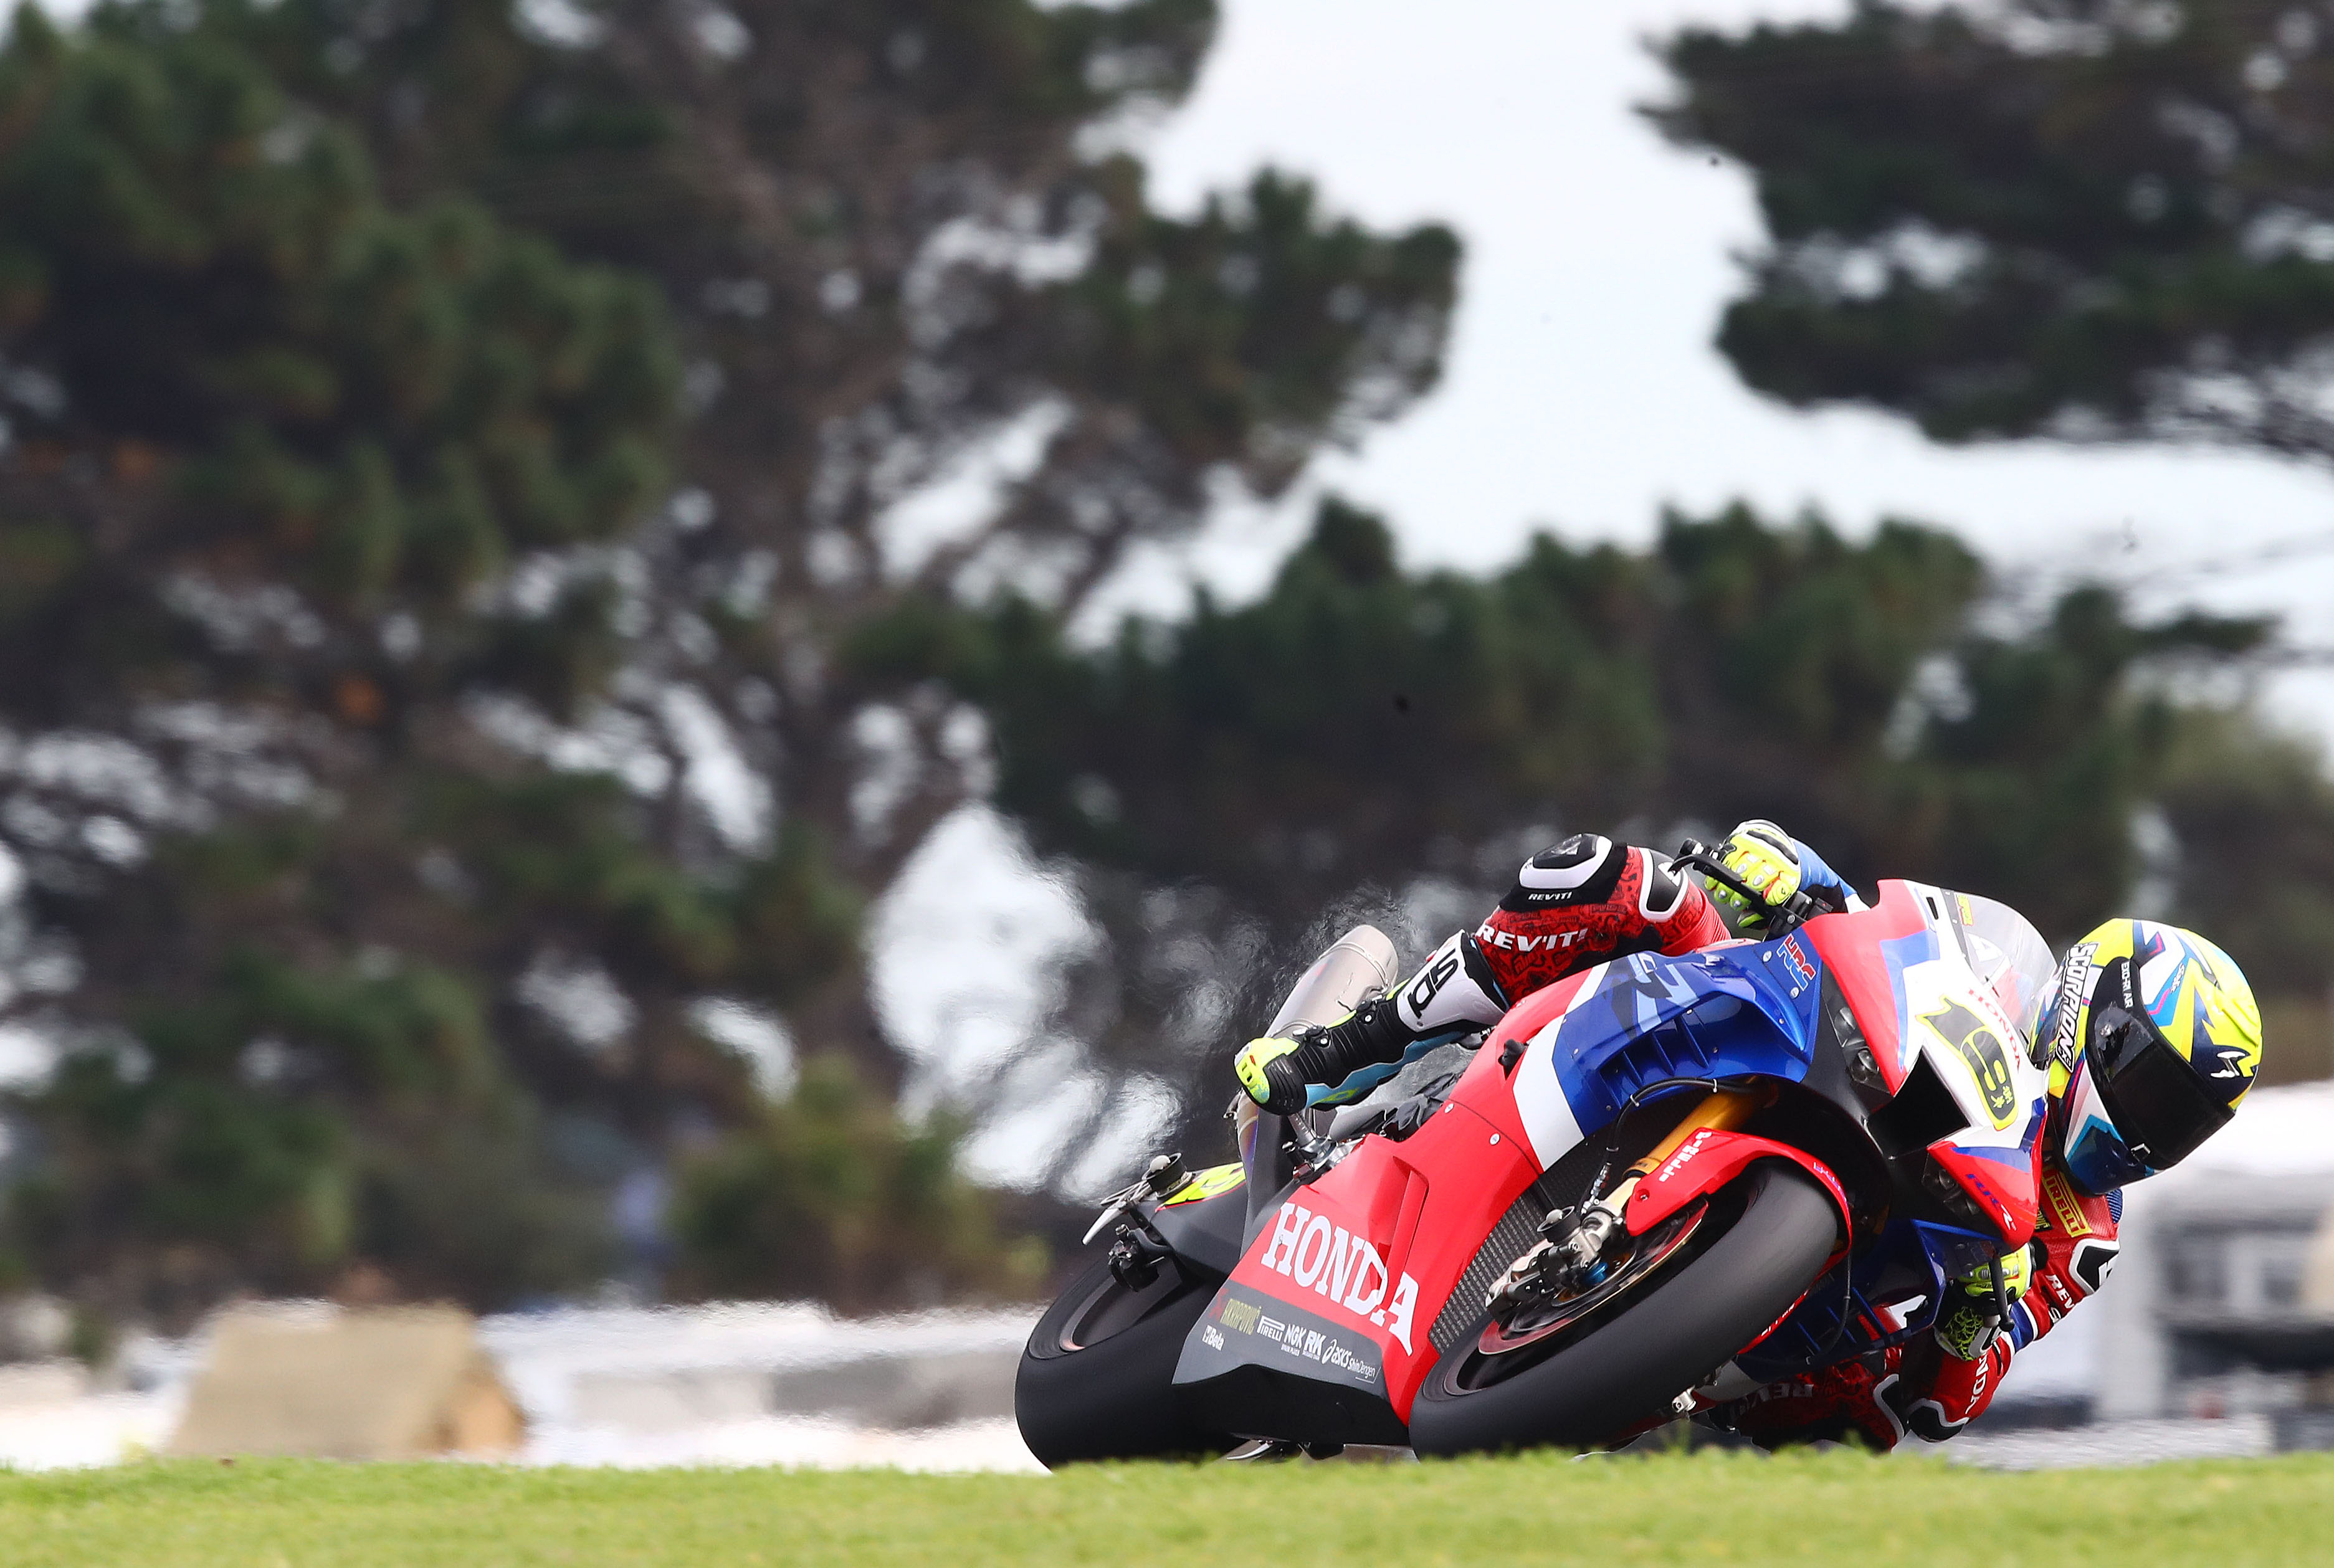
<point x="2153" y="1036"/>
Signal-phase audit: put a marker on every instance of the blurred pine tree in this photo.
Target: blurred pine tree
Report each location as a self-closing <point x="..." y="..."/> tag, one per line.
<point x="279" y="456"/>
<point x="2081" y="222"/>
<point x="354" y="515"/>
<point x="1376" y="744"/>
<point x="899" y="251"/>
<point x="2086" y="220"/>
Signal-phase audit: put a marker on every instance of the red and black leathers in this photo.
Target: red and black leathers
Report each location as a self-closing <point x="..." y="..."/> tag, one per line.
<point x="1576" y="905"/>
<point x="1919" y="1387"/>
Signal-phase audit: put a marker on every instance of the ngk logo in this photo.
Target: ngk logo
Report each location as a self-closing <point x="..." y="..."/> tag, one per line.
<point x="1328" y="1261"/>
<point x="1677" y="1161"/>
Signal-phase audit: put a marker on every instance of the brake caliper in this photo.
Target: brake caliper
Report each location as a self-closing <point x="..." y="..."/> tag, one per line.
<point x="1568" y="1258"/>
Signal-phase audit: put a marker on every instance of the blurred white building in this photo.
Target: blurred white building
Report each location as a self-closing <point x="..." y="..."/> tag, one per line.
<point x="2222" y="1303"/>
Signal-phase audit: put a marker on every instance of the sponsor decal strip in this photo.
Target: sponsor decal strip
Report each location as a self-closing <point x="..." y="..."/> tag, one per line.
<point x="2063" y="1206"/>
<point x="2073" y="990"/>
<point x="1299" y="1337"/>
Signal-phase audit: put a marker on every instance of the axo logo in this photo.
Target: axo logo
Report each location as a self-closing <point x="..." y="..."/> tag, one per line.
<point x="1327" y="1260"/>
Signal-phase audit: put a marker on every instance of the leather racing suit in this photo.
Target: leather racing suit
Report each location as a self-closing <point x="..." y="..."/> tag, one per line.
<point x="1576" y="905"/>
<point x="1920" y="1387"/>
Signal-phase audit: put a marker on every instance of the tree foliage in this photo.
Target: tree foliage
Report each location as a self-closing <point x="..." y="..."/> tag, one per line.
<point x="897" y="249"/>
<point x="892" y="250"/>
<point x="827" y="1195"/>
<point x="2073" y="217"/>
<point x="442" y="459"/>
<point x="1365" y="740"/>
<point x="272" y="439"/>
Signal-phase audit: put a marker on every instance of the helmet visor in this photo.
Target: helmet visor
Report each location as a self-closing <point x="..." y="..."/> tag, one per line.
<point x="2161" y="1107"/>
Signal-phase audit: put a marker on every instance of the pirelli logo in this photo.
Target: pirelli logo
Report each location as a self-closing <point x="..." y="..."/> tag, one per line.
<point x="2064" y="1209"/>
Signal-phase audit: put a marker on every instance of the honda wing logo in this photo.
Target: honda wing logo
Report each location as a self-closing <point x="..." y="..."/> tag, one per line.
<point x="1329" y="1261"/>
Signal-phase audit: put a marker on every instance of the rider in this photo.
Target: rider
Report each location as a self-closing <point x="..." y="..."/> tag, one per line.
<point x="2152" y="1037"/>
<point x="1573" y="907"/>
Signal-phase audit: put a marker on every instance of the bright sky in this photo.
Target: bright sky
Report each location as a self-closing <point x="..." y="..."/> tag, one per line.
<point x="1582" y="391"/>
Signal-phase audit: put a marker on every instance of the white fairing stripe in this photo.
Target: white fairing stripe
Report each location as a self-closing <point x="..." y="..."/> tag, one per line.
<point x="1549" y="1124"/>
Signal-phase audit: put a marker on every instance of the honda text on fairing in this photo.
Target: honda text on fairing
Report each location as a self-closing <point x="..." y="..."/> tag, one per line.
<point x="1656" y="1185"/>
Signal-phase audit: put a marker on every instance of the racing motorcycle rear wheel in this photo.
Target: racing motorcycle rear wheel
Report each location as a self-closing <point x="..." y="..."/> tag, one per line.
<point x="1097" y="1377"/>
<point x="1709" y="1299"/>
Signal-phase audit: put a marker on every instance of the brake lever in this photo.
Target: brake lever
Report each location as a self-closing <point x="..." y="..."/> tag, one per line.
<point x="1163" y="1178"/>
<point x="1316" y="1153"/>
<point x="1781" y="919"/>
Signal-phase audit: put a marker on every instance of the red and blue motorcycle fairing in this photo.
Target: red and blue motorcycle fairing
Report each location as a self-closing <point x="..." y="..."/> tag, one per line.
<point x="1901" y="1086"/>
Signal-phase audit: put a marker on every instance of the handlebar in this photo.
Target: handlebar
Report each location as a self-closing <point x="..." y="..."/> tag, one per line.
<point x="1781" y="919"/>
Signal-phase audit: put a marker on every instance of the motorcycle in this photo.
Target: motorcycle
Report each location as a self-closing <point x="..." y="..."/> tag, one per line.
<point x="1650" y="1188"/>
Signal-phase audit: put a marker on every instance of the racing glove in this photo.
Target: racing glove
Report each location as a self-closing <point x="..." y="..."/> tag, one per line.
<point x="1966" y="1325"/>
<point x="1768" y="861"/>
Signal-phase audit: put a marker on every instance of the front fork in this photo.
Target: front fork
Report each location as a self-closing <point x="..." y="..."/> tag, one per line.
<point x="1573" y="1241"/>
<point x="1722" y="1111"/>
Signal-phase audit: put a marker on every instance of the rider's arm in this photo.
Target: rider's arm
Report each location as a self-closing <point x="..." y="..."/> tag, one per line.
<point x="2074" y="1247"/>
<point x="1819" y="877"/>
<point x="1923" y="1388"/>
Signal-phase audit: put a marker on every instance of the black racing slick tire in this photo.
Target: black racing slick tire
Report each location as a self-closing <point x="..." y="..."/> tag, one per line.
<point x="1097" y="1377"/>
<point x="1680" y="1326"/>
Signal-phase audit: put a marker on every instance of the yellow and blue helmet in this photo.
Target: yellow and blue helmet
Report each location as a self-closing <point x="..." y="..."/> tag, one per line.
<point x="2154" y="1037"/>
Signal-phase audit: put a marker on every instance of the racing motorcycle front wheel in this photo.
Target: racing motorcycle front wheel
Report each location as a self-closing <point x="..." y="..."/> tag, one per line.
<point x="1731" y="1274"/>
<point x="1097" y="1377"/>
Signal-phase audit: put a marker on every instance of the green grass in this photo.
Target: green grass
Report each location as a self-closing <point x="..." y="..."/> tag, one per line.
<point x="1830" y="1508"/>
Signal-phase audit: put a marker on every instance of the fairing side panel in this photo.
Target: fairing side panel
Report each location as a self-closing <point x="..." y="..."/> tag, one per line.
<point x="1939" y="1008"/>
<point x="1404" y="1241"/>
<point x="1592" y="1041"/>
<point x="1867" y="953"/>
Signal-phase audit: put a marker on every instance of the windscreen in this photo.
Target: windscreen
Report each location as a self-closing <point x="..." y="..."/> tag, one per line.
<point x="2008" y="954"/>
